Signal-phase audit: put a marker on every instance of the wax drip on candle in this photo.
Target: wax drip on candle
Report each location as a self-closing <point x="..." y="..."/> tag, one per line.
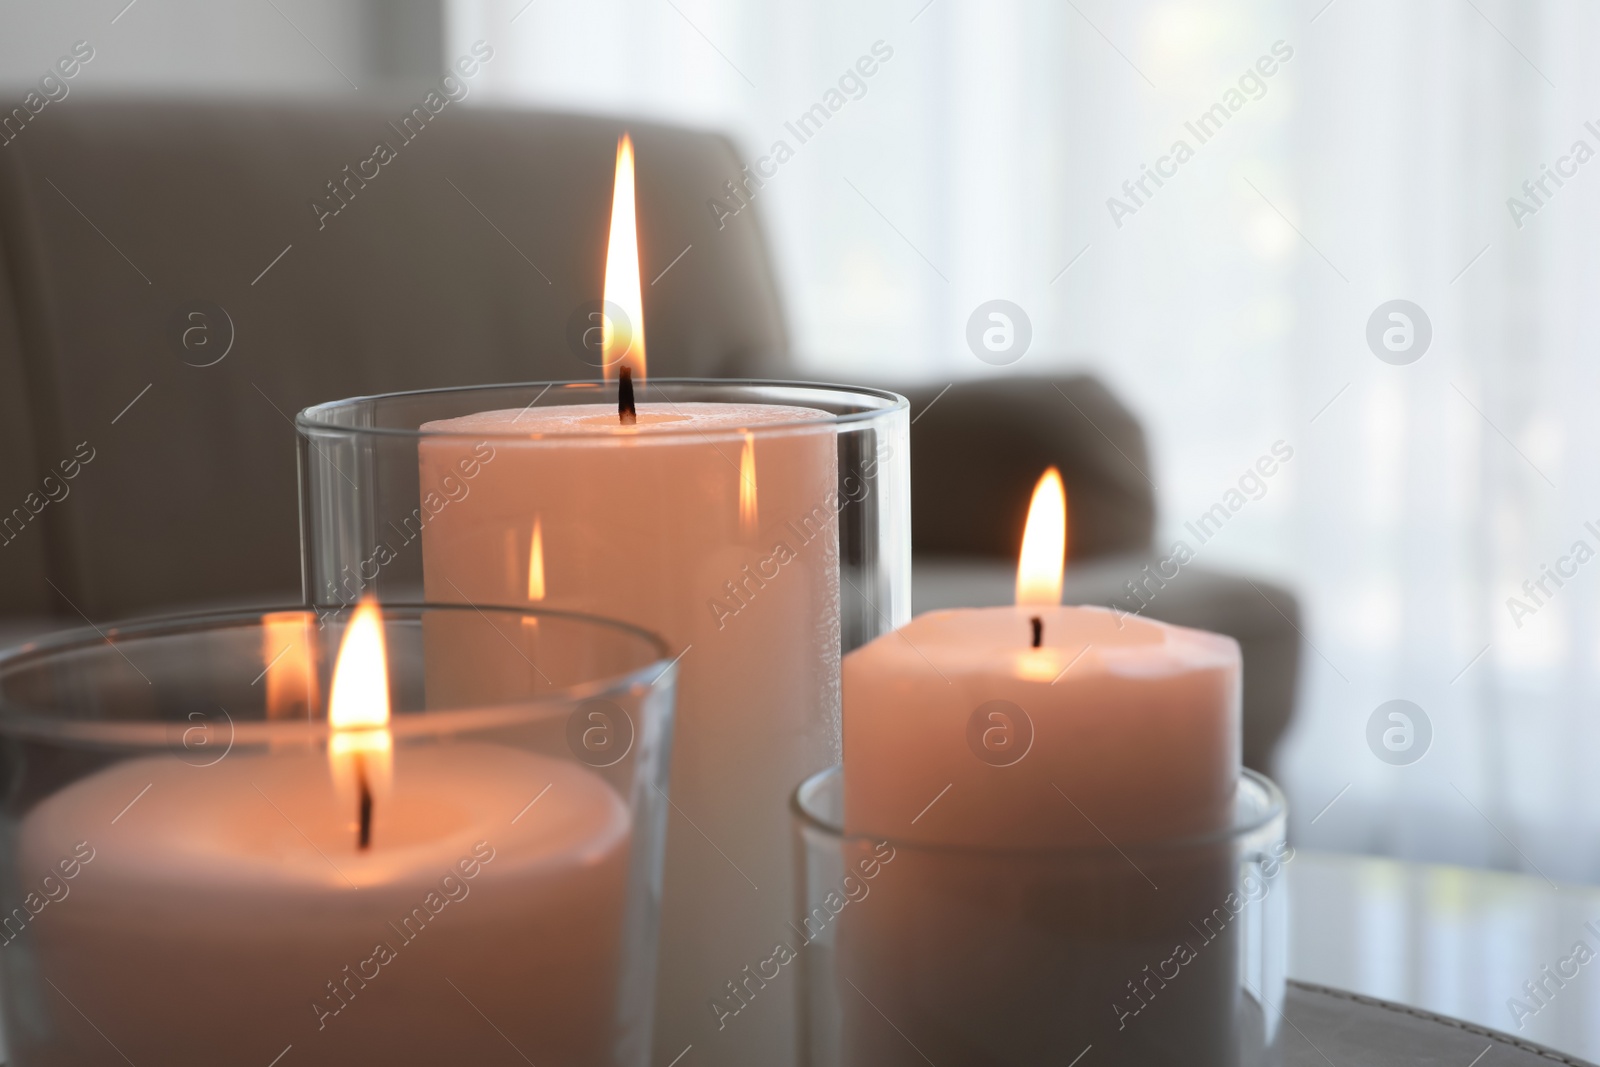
<point x="626" y="411"/>
<point x="1038" y="631"/>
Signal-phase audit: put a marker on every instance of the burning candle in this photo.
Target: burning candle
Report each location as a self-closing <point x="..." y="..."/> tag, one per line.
<point x="360" y="747"/>
<point x="1041" y="724"/>
<point x="376" y="902"/>
<point x="1036" y="767"/>
<point x="713" y="525"/>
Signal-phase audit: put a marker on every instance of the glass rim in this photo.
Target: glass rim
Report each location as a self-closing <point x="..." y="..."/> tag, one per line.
<point x="25" y="721"/>
<point x="1276" y="809"/>
<point x="314" y="419"/>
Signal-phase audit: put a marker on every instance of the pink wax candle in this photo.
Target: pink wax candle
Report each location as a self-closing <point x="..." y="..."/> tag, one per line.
<point x="1039" y="724"/>
<point x="715" y="526"/>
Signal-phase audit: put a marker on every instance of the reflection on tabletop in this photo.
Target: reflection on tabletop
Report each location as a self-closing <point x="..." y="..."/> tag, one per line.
<point x="1452" y="940"/>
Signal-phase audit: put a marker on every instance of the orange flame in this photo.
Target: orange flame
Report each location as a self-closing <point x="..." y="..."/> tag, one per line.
<point x="288" y="653"/>
<point x="536" y="561"/>
<point x="360" y="747"/>
<point x="1042" y="562"/>
<point x="622" y="343"/>
<point x="747" y="484"/>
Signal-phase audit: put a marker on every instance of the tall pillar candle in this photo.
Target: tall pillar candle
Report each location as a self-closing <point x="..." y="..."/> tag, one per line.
<point x="713" y="525"/>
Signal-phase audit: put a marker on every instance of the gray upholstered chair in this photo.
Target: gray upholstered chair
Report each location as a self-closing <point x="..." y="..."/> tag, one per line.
<point x="461" y="259"/>
<point x="460" y="262"/>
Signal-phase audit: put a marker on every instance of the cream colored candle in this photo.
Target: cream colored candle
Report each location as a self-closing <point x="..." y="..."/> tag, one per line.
<point x="958" y="730"/>
<point x="1125" y="729"/>
<point x="715" y="526"/>
<point x="1033" y="765"/>
<point x="230" y="912"/>
<point x="645" y="523"/>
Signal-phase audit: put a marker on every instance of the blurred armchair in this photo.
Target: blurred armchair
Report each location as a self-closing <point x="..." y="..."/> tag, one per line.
<point x="462" y="259"/>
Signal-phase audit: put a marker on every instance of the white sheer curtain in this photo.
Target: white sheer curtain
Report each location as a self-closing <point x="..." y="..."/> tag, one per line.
<point x="1229" y="310"/>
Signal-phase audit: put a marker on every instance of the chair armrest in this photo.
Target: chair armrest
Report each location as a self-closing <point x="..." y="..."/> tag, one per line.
<point x="978" y="450"/>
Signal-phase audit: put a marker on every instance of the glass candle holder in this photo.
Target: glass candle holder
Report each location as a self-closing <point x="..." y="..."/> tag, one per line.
<point x="761" y="528"/>
<point x="200" y="867"/>
<point x="1171" y="953"/>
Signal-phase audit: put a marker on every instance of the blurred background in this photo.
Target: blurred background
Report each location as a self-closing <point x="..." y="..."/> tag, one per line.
<point x="1229" y="306"/>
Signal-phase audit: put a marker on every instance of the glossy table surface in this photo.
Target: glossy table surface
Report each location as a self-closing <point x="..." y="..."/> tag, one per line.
<point x="1334" y="1028"/>
<point x="1451" y="941"/>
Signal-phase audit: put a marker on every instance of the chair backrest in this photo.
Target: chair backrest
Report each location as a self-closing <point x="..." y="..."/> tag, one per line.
<point x="314" y="252"/>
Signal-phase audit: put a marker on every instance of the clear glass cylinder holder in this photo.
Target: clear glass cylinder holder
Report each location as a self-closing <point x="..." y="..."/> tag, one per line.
<point x="762" y="528"/>
<point x="359" y="472"/>
<point x="181" y="842"/>
<point x="1171" y="954"/>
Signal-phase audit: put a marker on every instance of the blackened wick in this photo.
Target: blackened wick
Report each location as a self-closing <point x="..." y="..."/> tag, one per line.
<point x="625" y="407"/>
<point x="365" y="838"/>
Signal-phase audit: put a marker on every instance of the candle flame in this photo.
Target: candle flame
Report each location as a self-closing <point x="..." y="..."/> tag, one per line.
<point x="622" y="344"/>
<point x="1042" y="563"/>
<point x="360" y="747"/>
<point x="290" y="661"/>
<point x="360" y="696"/>
<point x="747" y="484"/>
<point x="536" y="562"/>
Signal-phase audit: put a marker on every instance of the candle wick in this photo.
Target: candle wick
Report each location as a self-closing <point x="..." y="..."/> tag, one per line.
<point x="364" y="838"/>
<point x="626" y="411"/>
<point x="1038" y="631"/>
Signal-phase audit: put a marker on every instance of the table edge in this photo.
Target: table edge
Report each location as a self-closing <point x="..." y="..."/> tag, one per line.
<point x="1445" y="1020"/>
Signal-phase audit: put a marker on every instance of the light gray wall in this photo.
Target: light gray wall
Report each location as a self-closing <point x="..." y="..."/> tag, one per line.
<point x="299" y="47"/>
